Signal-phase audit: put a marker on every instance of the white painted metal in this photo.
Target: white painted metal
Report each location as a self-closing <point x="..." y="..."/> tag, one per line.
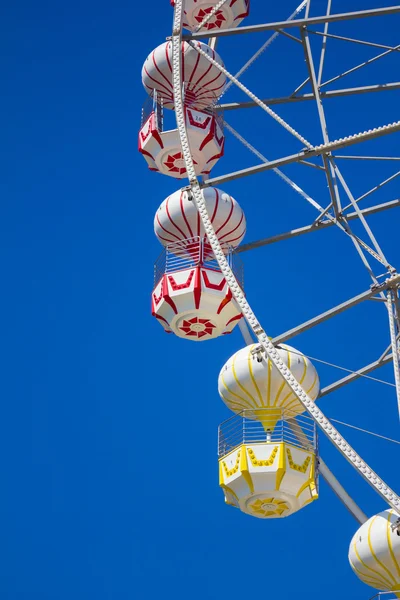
<point x="393" y="336"/>
<point x="248" y="380"/>
<point x="268" y="474"/>
<point x="333" y="18"/>
<point x="344" y="142"/>
<point x="162" y="149"/>
<point x="244" y="89"/>
<point x="177" y="218"/>
<point x="346" y="450"/>
<point x="276" y="479"/>
<point x="207" y="16"/>
<point x="266" y="45"/>
<point x="374" y="552"/>
<point x="191" y="297"/>
<point x="205" y="83"/>
<point x="341" y="493"/>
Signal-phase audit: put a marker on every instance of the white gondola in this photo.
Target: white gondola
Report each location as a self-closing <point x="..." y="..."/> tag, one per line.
<point x="162" y="148"/>
<point x="249" y="376"/>
<point x="191" y="297"/>
<point x="374" y="552"/>
<point x="229" y="15"/>
<point x="204" y="81"/>
<point x="177" y="218"/>
<point x="268" y="474"/>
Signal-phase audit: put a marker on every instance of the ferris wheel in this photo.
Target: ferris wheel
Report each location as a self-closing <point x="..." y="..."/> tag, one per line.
<point x="269" y="460"/>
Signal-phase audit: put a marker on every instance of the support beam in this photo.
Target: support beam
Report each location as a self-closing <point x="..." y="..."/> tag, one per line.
<point x="360" y="66"/>
<point x="355" y="41"/>
<point x="300" y="87"/>
<point x="283" y="337"/>
<point x="329" y="167"/>
<point x="278" y="172"/>
<point x="380" y="87"/>
<point x="367" y="228"/>
<point x="323" y="49"/>
<point x="324" y="212"/>
<point x="254" y="98"/>
<point x="354" y="376"/>
<point x="289" y="35"/>
<point x="246" y="333"/>
<point x="308" y="153"/>
<point x="367" y="157"/>
<point x="391" y="306"/>
<point x="213" y="42"/>
<point x="374" y="189"/>
<point x="377" y="12"/>
<point x="328" y="476"/>
<point x="314" y="166"/>
<point x="266" y="44"/>
<point x="314" y="227"/>
<point x="341" y="493"/>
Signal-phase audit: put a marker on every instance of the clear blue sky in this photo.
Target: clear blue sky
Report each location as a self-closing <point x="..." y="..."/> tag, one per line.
<point x="108" y="470"/>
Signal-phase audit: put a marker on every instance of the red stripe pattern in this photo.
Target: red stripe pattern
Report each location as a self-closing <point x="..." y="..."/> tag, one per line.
<point x="177" y="218"/>
<point x="162" y="149"/>
<point x="227" y="17"/>
<point x="204" y="82"/>
<point x="195" y="304"/>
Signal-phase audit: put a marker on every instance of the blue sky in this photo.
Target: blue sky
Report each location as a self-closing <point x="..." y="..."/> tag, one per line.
<point x="108" y="431"/>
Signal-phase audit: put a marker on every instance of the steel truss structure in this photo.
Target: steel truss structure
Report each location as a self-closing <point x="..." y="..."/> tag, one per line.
<point x="385" y="285"/>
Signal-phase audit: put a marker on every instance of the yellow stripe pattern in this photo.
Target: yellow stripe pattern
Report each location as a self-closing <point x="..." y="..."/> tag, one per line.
<point x="383" y="581"/>
<point x="240" y="385"/>
<point x="390" y="544"/>
<point x="373" y="553"/>
<point x="252" y="388"/>
<point x="253" y="379"/>
<point x="372" y="581"/>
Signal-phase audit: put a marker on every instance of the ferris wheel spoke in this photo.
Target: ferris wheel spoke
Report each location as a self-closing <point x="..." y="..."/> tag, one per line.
<point x="246" y="333"/>
<point x="327" y="160"/>
<point x="372" y="190"/>
<point x="314" y="166"/>
<point x="347" y="39"/>
<point x="391" y="306"/>
<point x="351" y="140"/>
<point x="314" y="227"/>
<point x="332" y="183"/>
<point x="324" y="212"/>
<point x="368" y="158"/>
<point x="329" y="477"/>
<point x="375" y="12"/>
<point x="323" y="48"/>
<point x="212" y="42"/>
<point x="261" y="50"/>
<point x="362" y="218"/>
<point x="381" y="87"/>
<point x="360" y="66"/>
<point x="336" y="310"/>
<point x="360" y="246"/>
<point x="255" y="99"/>
<point x="280" y="174"/>
<point x="377" y="364"/>
<point x="341" y="493"/>
<point x="297" y="90"/>
<point x="388" y="349"/>
<point x="289" y="36"/>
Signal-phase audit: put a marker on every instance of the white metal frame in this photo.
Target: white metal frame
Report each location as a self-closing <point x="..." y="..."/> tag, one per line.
<point x="386" y="291"/>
